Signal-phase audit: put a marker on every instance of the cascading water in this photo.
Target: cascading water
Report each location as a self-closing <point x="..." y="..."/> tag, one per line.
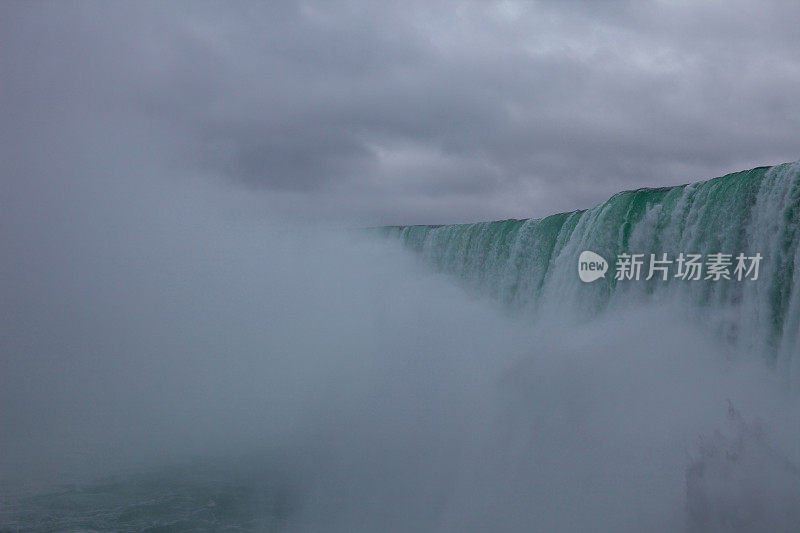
<point x="531" y="264"/>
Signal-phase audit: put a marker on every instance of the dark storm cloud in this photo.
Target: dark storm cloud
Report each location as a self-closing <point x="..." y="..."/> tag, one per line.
<point x="416" y="112"/>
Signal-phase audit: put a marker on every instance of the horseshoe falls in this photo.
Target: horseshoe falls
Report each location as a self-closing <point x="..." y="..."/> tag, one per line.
<point x="192" y="371"/>
<point x="531" y="265"/>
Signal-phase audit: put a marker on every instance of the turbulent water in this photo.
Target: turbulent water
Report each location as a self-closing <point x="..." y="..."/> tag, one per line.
<point x="197" y="497"/>
<point x="190" y="373"/>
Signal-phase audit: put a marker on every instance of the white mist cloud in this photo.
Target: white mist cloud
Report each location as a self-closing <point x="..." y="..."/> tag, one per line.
<point x="388" y="398"/>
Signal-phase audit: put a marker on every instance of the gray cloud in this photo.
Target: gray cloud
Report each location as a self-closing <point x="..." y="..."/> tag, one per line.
<point x="406" y="112"/>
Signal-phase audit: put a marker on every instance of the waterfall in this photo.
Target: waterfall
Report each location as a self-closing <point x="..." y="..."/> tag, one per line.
<point x="531" y="265"/>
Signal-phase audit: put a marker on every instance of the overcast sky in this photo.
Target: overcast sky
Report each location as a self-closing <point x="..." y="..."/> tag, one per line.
<point x="395" y="112"/>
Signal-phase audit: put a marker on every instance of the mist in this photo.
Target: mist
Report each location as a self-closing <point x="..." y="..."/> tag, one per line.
<point x="198" y="333"/>
<point x="146" y="327"/>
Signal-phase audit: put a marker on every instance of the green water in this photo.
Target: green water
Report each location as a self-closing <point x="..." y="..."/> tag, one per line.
<point x="531" y="264"/>
<point x="198" y="497"/>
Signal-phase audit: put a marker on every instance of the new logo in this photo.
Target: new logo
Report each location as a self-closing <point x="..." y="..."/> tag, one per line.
<point x="591" y="266"/>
